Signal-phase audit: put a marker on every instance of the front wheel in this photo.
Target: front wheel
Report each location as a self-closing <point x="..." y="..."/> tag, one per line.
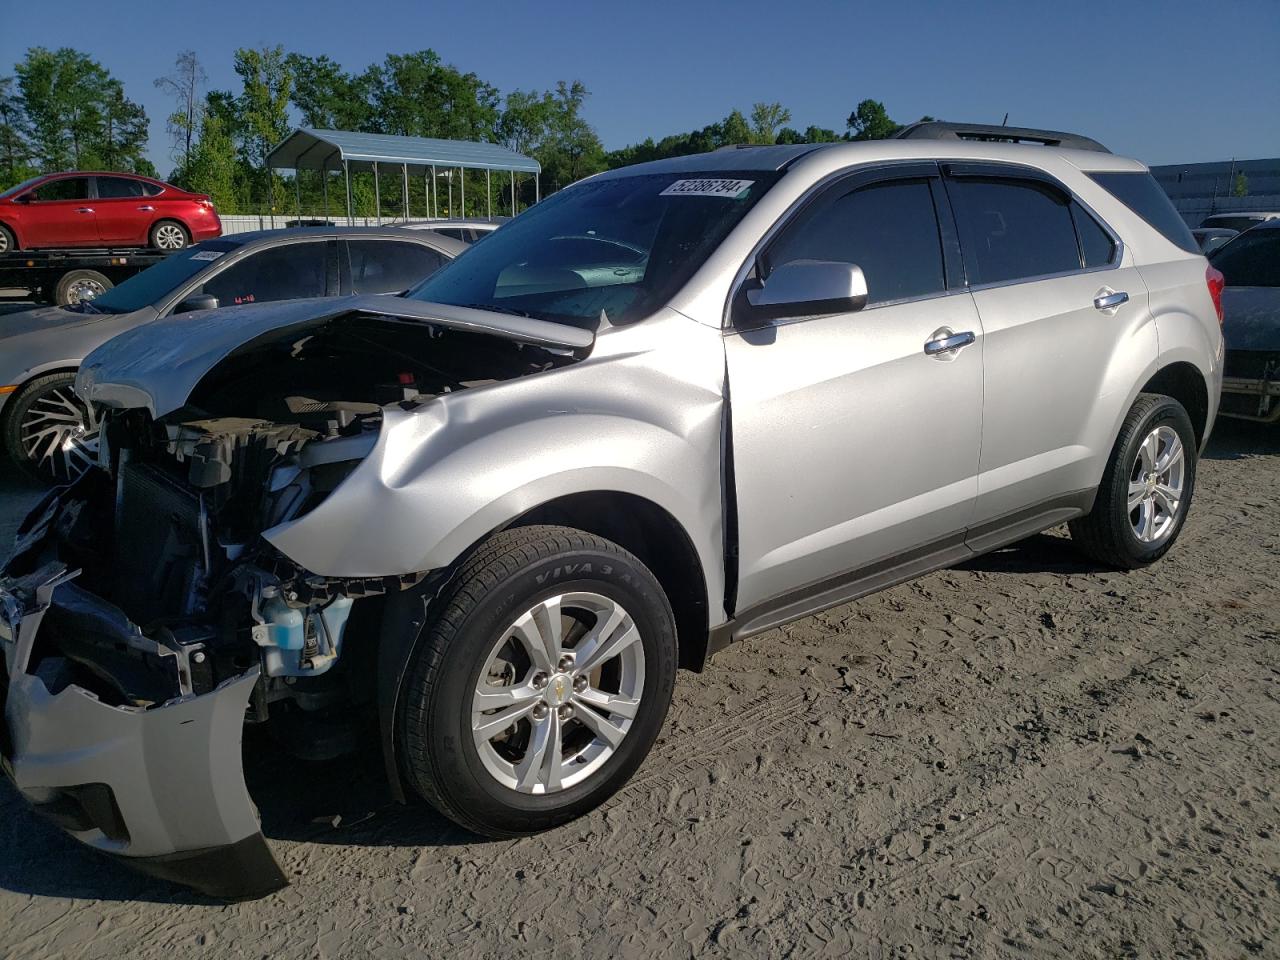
<point x="541" y="683"/>
<point x="48" y="431"/>
<point x="8" y="243"/>
<point x="1146" y="489"/>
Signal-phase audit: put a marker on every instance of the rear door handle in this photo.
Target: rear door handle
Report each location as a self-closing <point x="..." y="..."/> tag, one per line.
<point x="1109" y="300"/>
<point x="946" y="342"/>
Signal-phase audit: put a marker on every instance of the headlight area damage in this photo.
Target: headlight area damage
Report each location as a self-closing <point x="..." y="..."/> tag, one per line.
<point x="144" y="620"/>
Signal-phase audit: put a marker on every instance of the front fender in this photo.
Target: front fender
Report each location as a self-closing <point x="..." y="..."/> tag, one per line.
<point x="445" y="475"/>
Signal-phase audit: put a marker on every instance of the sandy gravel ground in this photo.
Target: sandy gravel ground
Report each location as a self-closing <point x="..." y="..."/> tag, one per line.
<point x="1024" y="757"/>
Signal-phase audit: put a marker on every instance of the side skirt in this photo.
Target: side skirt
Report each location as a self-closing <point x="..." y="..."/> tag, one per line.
<point x="894" y="570"/>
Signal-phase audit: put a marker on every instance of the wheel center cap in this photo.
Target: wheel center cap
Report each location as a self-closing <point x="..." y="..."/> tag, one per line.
<point x="559" y="690"/>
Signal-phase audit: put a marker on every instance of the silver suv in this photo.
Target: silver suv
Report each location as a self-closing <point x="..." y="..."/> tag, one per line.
<point x="669" y="407"/>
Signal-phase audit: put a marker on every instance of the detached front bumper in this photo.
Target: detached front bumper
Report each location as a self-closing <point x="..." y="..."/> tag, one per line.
<point x="162" y="788"/>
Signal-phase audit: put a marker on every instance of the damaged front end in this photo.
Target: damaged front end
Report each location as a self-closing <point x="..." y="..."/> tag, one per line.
<point x="145" y="620"/>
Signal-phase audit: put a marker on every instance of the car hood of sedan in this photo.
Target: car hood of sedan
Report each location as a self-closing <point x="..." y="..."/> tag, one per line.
<point x="1251" y="318"/>
<point x="156" y="367"/>
<point x="44" y="318"/>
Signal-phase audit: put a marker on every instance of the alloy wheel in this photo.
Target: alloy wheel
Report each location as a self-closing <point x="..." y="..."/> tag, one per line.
<point x="59" y="434"/>
<point x="169" y="236"/>
<point x="1156" y="485"/>
<point x="558" y="692"/>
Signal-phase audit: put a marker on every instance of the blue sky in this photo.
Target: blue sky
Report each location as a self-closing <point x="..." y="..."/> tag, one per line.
<point x="1165" y="82"/>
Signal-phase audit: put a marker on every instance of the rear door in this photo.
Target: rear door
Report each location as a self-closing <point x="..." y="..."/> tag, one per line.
<point x="376" y="265"/>
<point x="851" y="445"/>
<point x="60" y="214"/>
<point x="1056" y="301"/>
<point x="123" y="210"/>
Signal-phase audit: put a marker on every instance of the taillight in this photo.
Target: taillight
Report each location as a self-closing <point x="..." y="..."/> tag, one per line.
<point x="1214" y="279"/>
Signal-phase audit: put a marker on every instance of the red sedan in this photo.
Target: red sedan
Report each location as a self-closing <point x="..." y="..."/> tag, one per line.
<point x="103" y="209"/>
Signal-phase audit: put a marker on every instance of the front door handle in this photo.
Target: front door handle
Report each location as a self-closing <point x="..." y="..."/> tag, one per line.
<point x="84" y="209"/>
<point x="946" y="342"/>
<point x="148" y="208"/>
<point x="1106" y="300"/>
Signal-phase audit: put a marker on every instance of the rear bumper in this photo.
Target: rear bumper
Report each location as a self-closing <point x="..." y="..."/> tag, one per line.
<point x="162" y="788"/>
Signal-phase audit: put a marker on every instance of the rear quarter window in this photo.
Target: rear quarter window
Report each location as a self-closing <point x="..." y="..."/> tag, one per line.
<point x="1141" y="194"/>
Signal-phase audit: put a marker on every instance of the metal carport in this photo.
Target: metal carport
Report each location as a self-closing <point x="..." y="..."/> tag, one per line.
<point x="332" y="150"/>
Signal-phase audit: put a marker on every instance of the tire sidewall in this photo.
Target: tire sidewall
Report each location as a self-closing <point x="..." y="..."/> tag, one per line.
<point x="617" y="577"/>
<point x="1167" y="412"/>
<point x="17" y="409"/>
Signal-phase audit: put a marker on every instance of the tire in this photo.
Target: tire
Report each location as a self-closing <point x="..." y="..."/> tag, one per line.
<point x="1116" y="535"/>
<point x="8" y="242"/>
<point x="168" y="235"/>
<point x="48" y="404"/>
<point x="460" y="772"/>
<point x="77" y="285"/>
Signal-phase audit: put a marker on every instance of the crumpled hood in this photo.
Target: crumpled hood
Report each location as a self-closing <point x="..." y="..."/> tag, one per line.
<point x="1251" y="318"/>
<point x="156" y="367"/>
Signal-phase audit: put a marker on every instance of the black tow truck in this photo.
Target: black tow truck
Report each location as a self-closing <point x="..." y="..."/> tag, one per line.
<point x="68" y="276"/>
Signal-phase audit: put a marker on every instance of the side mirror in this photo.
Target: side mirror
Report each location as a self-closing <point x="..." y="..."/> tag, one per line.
<point x="805" y="288"/>
<point x="197" y="301"/>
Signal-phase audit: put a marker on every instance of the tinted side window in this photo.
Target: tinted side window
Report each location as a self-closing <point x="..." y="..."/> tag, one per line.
<point x="890" y="230"/>
<point x="1141" y="194"/>
<point x="1096" y="246"/>
<point x="282" y="273"/>
<point x="68" y="188"/>
<point x="389" y="266"/>
<point x="1013" y="229"/>
<point x="1251" y="259"/>
<point x="115" y="188"/>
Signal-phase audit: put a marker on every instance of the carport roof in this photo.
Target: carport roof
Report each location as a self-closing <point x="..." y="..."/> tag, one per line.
<point x="310" y="149"/>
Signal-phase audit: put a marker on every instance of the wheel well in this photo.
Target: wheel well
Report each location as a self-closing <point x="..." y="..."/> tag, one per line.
<point x="1184" y="383"/>
<point x="657" y="539"/>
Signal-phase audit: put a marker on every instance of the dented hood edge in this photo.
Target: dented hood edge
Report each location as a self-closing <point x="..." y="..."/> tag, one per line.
<point x="158" y="365"/>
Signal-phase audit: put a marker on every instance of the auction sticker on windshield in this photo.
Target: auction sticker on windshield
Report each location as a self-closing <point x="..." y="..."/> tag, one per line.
<point x="707" y="188"/>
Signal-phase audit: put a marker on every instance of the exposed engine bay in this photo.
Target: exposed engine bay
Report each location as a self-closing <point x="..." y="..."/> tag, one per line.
<point x="178" y="592"/>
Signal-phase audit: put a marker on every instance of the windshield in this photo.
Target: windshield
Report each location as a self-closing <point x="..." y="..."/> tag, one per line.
<point x="24" y="185"/>
<point x="156" y="283"/>
<point x="622" y="246"/>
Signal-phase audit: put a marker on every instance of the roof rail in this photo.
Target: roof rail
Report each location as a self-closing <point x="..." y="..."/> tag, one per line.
<point x="990" y="133"/>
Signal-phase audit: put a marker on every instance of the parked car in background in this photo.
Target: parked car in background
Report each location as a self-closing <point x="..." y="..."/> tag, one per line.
<point x="1250" y="266"/>
<point x="1211" y="238"/>
<point x="671" y="406"/>
<point x="1240" y="220"/>
<point x="462" y="228"/>
<point x="103" y="209"/>
<point x="48" y="431"/>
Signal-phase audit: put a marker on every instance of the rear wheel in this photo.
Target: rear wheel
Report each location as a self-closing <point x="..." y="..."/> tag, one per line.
<point x="48" y="431"/>
<point x="8" y="243"/>
<point x="169" y="235"/>
<point x="1146" y="489"/>
<point x="541" y="684"/>
<point x="75" y="286"/>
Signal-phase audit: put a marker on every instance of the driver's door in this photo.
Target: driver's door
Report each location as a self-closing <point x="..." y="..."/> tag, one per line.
<point x="853" y="449"/>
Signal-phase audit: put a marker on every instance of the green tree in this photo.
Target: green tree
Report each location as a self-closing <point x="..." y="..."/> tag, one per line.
<point x="1240" y="186"/>
<point x="15" y="146"/>
<point x="766" y="120"/>
<point x="263" y="110"/>
<point x="78" y="113"/>
<point x="184" y="84"/>
<point x="870" y="121"/>
<point x="417" y="95"/>
<point x="214" y="167"/>
<point x="327" y="96"/>
<point x="572" y="149"/>
<point x="811" y="134"/>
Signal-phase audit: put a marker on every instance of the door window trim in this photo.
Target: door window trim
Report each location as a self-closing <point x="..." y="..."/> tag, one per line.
<point x="1009" y="171"/>
<point x="856" y="178"/>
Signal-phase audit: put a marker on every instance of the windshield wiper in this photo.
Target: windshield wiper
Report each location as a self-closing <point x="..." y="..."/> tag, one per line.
<point x="495" y="308"/>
